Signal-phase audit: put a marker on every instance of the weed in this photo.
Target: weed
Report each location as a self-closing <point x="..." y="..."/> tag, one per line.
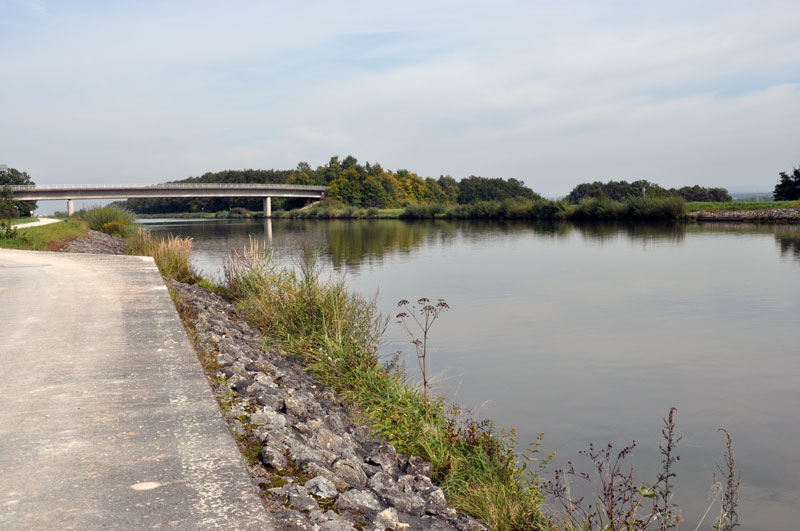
<point x="428" y="315"/>
<point x="8" y="231"/>
<point x="619" y="503"/>
<point x="728" y="518"/>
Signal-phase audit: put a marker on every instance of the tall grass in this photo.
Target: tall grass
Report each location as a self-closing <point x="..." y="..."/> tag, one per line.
<point x="595" y="209"/>
<point x="338" y="332"/>
<point x="338" y="212"/>
<point x="423" y="211"/>
<point x="633" y="208"/>
<point x="171" y="255"/>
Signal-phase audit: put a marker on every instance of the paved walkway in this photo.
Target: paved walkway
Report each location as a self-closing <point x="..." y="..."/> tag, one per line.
<point x="42" y="221"/>
<point x="106" y="419"/>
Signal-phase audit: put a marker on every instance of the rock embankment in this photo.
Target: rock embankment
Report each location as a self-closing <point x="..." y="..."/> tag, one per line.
<point x="315" y="467"/>
<point x="772" y="214"/>
<point x="96" y="243"/>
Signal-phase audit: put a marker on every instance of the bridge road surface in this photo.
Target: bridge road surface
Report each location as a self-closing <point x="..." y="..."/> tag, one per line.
<point x="106" y="418"/>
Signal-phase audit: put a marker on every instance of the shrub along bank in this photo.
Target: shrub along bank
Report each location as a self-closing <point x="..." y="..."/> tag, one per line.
<point x="594" y="209"/>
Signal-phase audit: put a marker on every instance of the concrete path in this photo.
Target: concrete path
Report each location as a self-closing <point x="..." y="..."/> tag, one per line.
<point x="42" y="221"/>
<point x="106" y="419"/>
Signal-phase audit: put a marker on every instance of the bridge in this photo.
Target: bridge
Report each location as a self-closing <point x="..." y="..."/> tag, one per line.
<point x="129" y="191"/>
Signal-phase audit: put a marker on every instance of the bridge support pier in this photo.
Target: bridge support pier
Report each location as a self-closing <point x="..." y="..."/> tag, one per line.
<point x="70" y="207"/>
<point x="268" y="207"/>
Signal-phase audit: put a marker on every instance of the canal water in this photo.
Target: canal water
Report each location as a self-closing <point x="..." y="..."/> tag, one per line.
<point x="590" y="334"/>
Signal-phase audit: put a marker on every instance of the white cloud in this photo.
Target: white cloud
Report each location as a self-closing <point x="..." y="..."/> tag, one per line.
<point x="677" y="93"/>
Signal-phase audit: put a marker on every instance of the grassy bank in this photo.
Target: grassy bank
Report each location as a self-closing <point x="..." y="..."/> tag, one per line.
<point x="45" y="237"/>
<point x="338" y="333"/>
<point x="597" y="209"/>
<point x="741" y="205"/>
<point x="17" y="221"/>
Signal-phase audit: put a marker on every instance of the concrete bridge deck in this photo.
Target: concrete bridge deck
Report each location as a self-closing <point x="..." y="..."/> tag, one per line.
<point x="71" y="192"/>
<point x="107" y="421"/>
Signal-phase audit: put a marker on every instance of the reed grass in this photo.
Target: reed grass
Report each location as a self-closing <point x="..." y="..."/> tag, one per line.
<point x="171" y="255"/>
<point x="633" y="208"/>
<point x="338" y="332"/>
<point x="511" y="209"/>
<point x="339" y="212"/>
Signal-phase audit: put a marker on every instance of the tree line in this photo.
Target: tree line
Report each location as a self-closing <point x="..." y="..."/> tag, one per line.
<point x="350" y="183"/>
<point x="371" y="186"/>
<point x="621" y="190"/>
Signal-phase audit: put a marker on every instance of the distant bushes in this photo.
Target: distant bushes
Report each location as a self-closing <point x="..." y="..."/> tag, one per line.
<point x="600" y="208"/>
<point x="622" y="190"/>
<point x="515" y="208"/>
<point x="425" y="211"/>
<point x="595" y="209"/>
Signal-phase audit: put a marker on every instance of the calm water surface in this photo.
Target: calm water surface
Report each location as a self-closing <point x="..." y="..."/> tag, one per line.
<point x="591" y="334"/>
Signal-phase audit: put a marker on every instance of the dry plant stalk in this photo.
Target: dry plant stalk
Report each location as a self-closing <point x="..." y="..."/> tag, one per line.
<point x="428" y="315"/>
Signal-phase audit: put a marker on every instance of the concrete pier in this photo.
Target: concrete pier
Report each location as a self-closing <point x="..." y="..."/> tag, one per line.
<point x="107" y="420"/>
<point x="267" y="207"/>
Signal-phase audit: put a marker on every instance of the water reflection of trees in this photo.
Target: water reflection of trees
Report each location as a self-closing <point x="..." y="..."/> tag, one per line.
<point x="348" y="243"/>
<point x="351" y="242"/>
<point x="789" y="244"/>
<point x="644" y="234"/>
<point x="787" y="236"/>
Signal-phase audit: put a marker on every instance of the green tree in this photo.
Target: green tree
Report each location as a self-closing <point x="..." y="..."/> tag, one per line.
<point x="373" y="194"/>
<point x="616" y="190"/>
<point x="450" y="187"/>
<point x="474" y="189"/>
<point x="15" y="177"/>
<point x="788" y="187"/>
<point x="346" y="188"/>
<point x="8" y="208"/>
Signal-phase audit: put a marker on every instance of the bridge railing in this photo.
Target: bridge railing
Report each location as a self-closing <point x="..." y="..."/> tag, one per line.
<point x="34" y="187"/>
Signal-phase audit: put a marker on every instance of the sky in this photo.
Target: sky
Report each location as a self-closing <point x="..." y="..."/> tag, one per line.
<point x="551" y="93"/>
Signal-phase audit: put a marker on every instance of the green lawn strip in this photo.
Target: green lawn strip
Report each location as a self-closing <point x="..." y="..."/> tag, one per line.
<point x="17" y="221"/>
<point x="740" y="205"/>
<point x="45" y="237"/>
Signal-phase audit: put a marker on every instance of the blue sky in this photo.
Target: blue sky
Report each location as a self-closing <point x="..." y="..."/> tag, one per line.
<point x="553" y="93"/>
